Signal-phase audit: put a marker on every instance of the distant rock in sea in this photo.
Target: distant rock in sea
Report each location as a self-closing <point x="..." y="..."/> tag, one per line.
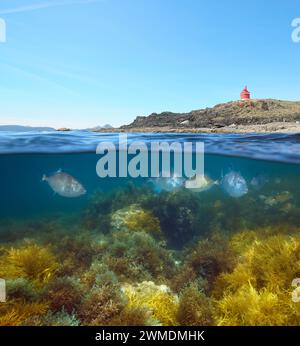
<point x="19" y="128"/>
<point x="97" y="128"/>
<point x="64" y="129"/>
<point x="93" y="129"/>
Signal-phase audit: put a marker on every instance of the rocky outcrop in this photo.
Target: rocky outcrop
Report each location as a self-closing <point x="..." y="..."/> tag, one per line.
<point x="64" y="129"/>
<point x="250" y="112"/>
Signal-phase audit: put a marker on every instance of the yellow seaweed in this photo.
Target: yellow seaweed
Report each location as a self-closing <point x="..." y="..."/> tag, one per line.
<point x="258" y="290"/>
<point x="34" y="262"/>
<point x="162" y="303"/>
<point x="15" y="313"/>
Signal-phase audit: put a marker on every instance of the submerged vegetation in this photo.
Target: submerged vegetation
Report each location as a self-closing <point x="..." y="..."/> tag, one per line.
<point x="31" y="261"/>
<point x="140" y="258"/>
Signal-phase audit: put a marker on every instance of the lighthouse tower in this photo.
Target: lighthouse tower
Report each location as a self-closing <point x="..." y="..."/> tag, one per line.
<point x="245" y="94"/>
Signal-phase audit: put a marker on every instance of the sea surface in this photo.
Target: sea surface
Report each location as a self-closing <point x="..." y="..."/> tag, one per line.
<point x="102" y="227"/>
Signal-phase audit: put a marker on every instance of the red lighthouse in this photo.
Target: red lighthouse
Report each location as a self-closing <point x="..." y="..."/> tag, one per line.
<point x="245" y="94"/>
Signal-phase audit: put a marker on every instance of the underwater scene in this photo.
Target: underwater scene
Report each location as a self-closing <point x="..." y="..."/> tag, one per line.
<point x="218" y="249"/>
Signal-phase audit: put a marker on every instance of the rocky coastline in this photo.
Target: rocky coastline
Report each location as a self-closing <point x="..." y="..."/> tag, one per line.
<point x="261" y="115"/>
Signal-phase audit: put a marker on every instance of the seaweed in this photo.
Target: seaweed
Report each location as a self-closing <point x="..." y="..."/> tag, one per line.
<point x="179" y="216"/>
<point x="140" y="258"/>
<point x="14" y="313"/>
<point x="21" y="289"/>
<point x="205" y="261"/>
<point x="31" y="261"/>
<point x="64" y="294"/>
<point x="76" y="253"/>
<point x="132" y="317"/>
<point x="133" y="218"/>
<point x="258" y="290"/>
<point x="102" y="303"/>
<point x="250" y="307"/>
<point x="143" y="251"/>
<point x="159" y="300"/>
<point x="97" y="215"/>
<point x="58" y="319"/>
<point x="195" y="308"/>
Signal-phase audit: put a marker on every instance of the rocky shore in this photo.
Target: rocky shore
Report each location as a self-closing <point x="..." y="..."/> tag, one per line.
<point x="263" y="115"/>
<point x="287" y="127"/>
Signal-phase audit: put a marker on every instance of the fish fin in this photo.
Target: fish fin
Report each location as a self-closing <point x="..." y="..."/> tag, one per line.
<point x="44" y="177"/>
<point x="59" y="170"/>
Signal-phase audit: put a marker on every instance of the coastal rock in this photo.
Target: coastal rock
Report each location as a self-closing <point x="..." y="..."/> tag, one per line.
<point x="239" y="113"/>
<point x="64" y="129"/>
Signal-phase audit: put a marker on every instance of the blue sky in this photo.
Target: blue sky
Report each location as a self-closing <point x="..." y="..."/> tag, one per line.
<point x="84" y="63"/>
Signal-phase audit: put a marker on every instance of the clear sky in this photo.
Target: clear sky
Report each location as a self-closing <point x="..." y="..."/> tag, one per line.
<point x="82" y="63"/>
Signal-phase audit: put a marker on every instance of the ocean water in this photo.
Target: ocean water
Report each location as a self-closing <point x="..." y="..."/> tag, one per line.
<point x="125" y="236"/>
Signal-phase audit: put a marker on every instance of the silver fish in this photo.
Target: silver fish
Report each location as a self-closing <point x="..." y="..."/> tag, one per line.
<point x="259" y="181"/>
<point x="234" y="184"/>
<point x="167" y="184"/>
<point x="65" y="185"/>
<point x="200" y="183"/>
